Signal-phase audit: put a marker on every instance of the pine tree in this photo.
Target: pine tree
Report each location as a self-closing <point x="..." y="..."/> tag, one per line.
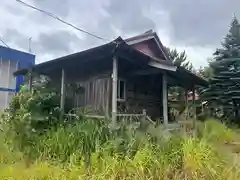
<point x="224" y="88"/>
<point x="180" y="59"/>
<point x="177" y="93"/>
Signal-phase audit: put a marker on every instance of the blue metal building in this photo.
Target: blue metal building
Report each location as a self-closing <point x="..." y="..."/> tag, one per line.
<point x="10" y="61"/>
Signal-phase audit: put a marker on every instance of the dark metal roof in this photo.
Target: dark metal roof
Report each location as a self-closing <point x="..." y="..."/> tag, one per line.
<point x="102" y="54"/>
<point x="118" y="47"/>
<point x="187" y="77"/>
<point x="70" y="60"/>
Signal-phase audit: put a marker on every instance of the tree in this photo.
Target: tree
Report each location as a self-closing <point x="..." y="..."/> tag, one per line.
<point x="180" y="59"/>
<point x="206" y="72"/>
<point x="224" y="88"/>
<point x="175" y="92"/>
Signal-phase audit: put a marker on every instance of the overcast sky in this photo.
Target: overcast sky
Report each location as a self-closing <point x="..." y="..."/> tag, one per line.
<point x="197" y="26"/>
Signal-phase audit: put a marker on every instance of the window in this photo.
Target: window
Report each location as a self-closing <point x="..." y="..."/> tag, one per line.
<point x="121" y="90"/>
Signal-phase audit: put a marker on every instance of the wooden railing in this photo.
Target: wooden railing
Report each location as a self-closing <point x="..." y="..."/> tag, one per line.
<point x="140" y="117"/>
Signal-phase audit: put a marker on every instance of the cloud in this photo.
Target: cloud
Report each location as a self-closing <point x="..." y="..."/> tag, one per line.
<point x="197" y="26"/>
<point x="57" y="42"/>
<point x="129" y="16"/>
<point x="13" y="36"/>
<point x="200" y="22"/>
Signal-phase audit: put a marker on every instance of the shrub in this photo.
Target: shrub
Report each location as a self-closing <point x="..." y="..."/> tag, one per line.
<point x="30" y="114"/>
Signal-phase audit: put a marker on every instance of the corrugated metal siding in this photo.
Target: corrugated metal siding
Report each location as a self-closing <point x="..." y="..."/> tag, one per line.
<point x="7" y="80"/>
<point x="18" y="58"/>
<point x="10" y="61"/>
<point x="5" y="98"/>
<point x="4" y="68"/>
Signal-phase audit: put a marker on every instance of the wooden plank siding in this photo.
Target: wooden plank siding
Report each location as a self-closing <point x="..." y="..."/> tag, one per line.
<point x="93" y="93"/>
<point x="149" y="48"/>
<point x="142" y="93"/>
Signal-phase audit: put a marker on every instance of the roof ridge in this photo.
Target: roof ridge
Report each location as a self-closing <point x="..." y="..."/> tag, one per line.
<point x="145" y="34"/>
<point x="150" y="31"/>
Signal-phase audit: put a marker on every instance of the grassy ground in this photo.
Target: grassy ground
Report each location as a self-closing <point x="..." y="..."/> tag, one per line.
<point x="89" y="151"/>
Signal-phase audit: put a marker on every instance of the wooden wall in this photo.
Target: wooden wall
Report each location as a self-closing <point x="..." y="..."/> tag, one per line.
<point x="93" y="93"/>
<point x="143" y="93"/>
<point x="150" y="48"/>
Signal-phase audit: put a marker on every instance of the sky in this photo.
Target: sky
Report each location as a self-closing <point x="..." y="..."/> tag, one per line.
<point x="198" y="27"/>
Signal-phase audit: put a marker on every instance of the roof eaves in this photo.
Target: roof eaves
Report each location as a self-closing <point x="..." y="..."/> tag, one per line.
<point x="203" y="81"/>
<point x="16" y="50"/>
<point x="50" y="62"/>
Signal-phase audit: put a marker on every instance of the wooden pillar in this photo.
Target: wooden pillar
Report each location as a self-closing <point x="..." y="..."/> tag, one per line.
<point x="63" y="90"/>
<point x="114" y="90"/>
<point x="165" y="99"/>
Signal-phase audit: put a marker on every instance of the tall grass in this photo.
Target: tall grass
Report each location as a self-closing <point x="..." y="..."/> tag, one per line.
<point x="213" y="130"/>
<point x="88" y="149"/>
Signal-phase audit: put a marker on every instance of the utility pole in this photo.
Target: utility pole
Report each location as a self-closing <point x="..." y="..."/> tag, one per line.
<point x="29" y="44"/>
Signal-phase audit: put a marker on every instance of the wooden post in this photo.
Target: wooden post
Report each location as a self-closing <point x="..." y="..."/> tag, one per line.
<point x="62" y="103"/>
<point x="143" y="119"/>
<point x="186" y="104"/>
<point x="30" y="80"/>
<point x="165" y="99"/>
<point x="144" y="115"/>
<point x="144" y="112"/>
<point x="114" y="90"/>
<point x="194" y="107"/>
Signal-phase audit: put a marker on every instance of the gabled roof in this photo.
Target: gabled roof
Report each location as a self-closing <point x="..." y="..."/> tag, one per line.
<point x="148" y="35"/>
<point x="121" y="48"/>
<point x="117" y="47"/>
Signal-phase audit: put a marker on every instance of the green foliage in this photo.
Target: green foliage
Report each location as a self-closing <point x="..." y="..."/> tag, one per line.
<point x="180" y="59"/>
<point x="62" y="155"/>
<point x="31" y="114"/>
<point x="81" y="139"/>
<point x="200" y="159"/>
<point x="223" y="91"/>
<point x="206" y="72"/>
<point x="86" y="148"/>
<point x="176" y="93"/>
<point x="213" y="130"/>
